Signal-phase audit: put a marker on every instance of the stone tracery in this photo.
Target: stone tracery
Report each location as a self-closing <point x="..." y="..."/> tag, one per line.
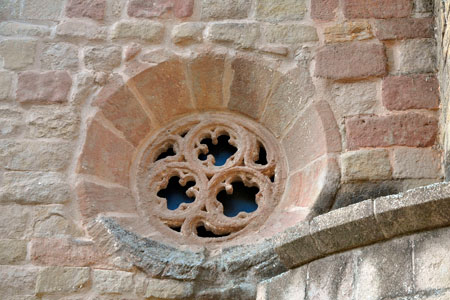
<point x="179" y="153"/>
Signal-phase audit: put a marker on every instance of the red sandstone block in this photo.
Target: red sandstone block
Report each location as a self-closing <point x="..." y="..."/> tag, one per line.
<point x="119" y="105"/>
<point x="324" y="9"/>
<point x="94" y="9"/>
<point x="408" y="129"/>
<point x="207" y="76"/>
<point x="351" y="60"/>
<point x="183" y="8"/>
<point x="105" y="155"/>
<point x="165" y="90"/>
<point x="64" y="252"/>
<point x="94" y="199"/>
<point x="380" y="9"/>
<point x="410" y="92"/>
<point x="51" y="86"/>
<point x="396" y="29"/>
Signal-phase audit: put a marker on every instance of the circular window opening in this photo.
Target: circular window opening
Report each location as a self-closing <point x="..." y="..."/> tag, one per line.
<point x="209" y="177"/>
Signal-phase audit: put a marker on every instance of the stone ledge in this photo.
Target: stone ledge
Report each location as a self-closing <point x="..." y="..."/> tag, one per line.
<point x="365" y="223"/>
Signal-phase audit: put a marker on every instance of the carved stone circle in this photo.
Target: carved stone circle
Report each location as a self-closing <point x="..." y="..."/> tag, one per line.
<point x="179" y="152"/>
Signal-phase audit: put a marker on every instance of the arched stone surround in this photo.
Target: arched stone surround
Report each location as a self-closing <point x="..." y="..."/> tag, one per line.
<point x="130" y="113"/>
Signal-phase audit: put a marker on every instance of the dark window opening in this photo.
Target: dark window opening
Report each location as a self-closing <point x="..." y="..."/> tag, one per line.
<point x="175" y="228"/>
<point x="262" y="156"/>
<point x="167" y="153"/>
<point x="221" y="152"/>
<point x="175" y="193"/>
<point x="242" y="199"/>
<point x="205" y="233"/>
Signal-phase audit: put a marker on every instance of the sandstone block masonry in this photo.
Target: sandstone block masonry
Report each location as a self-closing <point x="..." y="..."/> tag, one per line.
<point x="352" y="91"/>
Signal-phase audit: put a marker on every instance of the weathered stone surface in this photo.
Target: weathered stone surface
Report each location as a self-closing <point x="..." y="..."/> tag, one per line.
<point x="168" y="289"/>
<point x="51" y="221"/>
<point x="186" y="33"/>
<point x="143" y="29"/>
<point x="17" y="281"/>
<point x="59" y="56"/>
<point x="61" y="280"/>
<point x="287" y="286"/>
<point x="431" y="260"/>
<point x="34" y="188"/>
<point x="12" y="252"/>
<point x="318" y="130"/>
<point x="45" y="122"/>
<point x="5" y="85"/>
<point x="46" y="87"/>
<point x="416" y="163"/>
<point x="17" y="54"/>
<point x="10" y="9"/>
<point x="250" y="86"/>
<point x="348" y="31"/>
<point x="34" y="155"/>
<point x="350" y="99"/>
<point x="94" y="199"/>
<point x="183" y="9"/>
<point x="207" y="72"/>
<point x="242" y="291"/>
<point x="410" y="129"/>
<point x="331" y="278"/>
<point x="415" y="56"/>
<point x="80" y="29"/>
<point x="366" y="165"/>
<point x="105" y="155"/>
<point x="111" y="282"/>
<point x="283" y="10"/>
<point x="149" y="9"/>
<point x="13" y="222"/>
<point x="102" y="58"/>
<point x="383" y="9"/>
<point x="42" y="9"/>
<point x="94" y="9"/>
<point x="295" y="246"/>
<point x="120" y="106"/>
<point x="163" y="87"/>
<point x="225" y="9"/>
<point x="414" y="210"/>
<point x="10" y="129"/>
<point x="240" y="35"/>
<point x="368" y="59"/>
<point x="396" y="29"/>
<point x="63" y="252"/>
<point x="351" y="193"/>
<point x="314" y="186"/>
<point x="346" y="228"/>
<point x="385" y="270"/>
<point x="324" y="10"/>
<point x="290" y="34"/>
<point x="423" y="6"/>
<point x="410" y="92"/>
<point x="291" y="95"/>
<point x="23" y="29"/>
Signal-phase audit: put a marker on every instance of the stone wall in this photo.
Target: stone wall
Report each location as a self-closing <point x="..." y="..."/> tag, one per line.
<point x="413" y="267"/>
<point x="369" y="124"/>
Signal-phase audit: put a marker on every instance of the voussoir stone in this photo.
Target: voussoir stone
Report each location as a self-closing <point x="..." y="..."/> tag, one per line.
<point x="46" y="87"/>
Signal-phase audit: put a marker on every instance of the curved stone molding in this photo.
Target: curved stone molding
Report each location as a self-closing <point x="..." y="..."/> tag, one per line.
<point x="128" y="116"/>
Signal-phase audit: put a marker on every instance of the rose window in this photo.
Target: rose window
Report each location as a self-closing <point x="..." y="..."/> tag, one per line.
<point x="209" y="176"/>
